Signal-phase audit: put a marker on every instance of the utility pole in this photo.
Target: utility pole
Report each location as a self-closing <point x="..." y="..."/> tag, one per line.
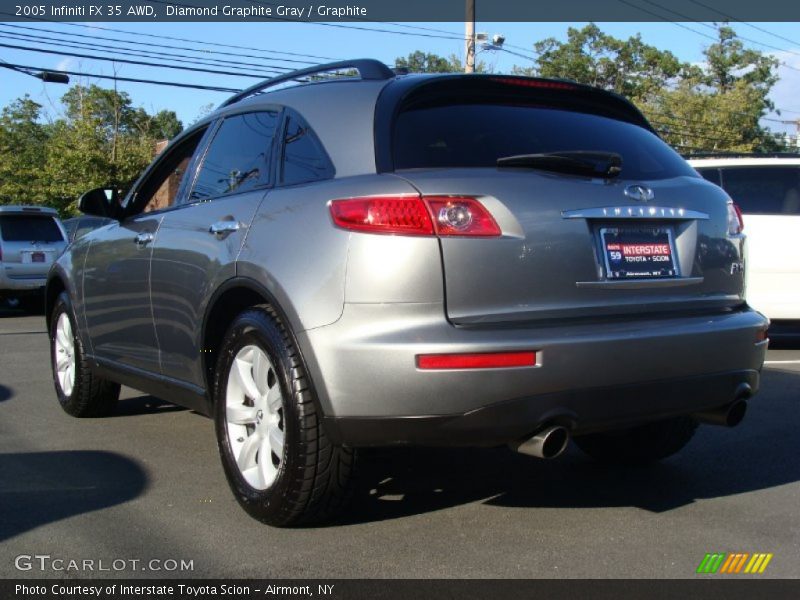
<point x="469" y="37"/>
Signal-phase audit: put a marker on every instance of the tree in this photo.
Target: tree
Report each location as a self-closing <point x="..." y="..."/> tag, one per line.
<point x="629" y="67"/>
<point x="713" y="106"/>
<point x="718" y="105"/>
<point x="22" y="152"/>
<point x="165" y="125"/>
<point x="422" y="62"/>
<point x="101" y="141"/>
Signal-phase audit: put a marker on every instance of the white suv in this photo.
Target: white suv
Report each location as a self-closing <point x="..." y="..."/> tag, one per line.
<point x="767" y="190"/>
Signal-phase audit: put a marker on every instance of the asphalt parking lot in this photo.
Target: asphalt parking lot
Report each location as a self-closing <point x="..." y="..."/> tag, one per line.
<point x="147" y="484"/>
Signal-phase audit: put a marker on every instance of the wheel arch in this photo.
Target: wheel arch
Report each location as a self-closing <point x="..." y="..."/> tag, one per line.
<point x="55" y="285"/>
<point x="228" y="301"/>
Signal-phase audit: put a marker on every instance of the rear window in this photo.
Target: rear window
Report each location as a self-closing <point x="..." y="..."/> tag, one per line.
<point x="26" y="228"/>
<point x="764" y="190"/>
<point x="476" y="135"/>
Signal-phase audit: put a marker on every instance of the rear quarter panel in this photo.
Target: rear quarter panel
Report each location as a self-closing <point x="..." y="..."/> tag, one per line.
<point x="294" y="250"/>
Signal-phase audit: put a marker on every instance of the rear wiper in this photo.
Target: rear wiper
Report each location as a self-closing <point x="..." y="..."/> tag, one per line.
<point x="576" y="162"/>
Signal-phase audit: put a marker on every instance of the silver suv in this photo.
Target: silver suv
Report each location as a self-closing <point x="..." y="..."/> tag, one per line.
<point x="411" y="259"/>
<point x="31" y="238"/>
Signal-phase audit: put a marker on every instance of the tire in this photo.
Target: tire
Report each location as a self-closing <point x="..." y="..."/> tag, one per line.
<point x="80" y="392"/>
<point x="264" y="401"/>
<point x="640" y="445"/>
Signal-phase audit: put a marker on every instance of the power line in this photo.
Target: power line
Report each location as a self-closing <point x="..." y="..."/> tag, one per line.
<point x="179" y="39"/>
<point x="177" y="58"/>
<point x="209" y="88"/>
<point x="716" y="39"/>
<point x="732" y="18"/>
<point x="715" y="28"/>
<point x="128" y="61"/>
<point x="238" y="55"/>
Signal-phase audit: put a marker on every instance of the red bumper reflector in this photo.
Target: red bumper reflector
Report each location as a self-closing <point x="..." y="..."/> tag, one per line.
<point x="489" y="360"/>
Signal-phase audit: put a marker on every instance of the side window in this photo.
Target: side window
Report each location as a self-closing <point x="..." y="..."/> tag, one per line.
<point x="160" y="189"/>
<point x="765" y="190"/>
<point x="238" y="158"/>
<point x="304" y="159"/>
<point x="711" y="175"/>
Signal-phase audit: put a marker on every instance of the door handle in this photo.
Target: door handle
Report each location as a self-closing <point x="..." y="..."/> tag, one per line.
<point x="223" y="227"/>
<point x="144" y="238"/>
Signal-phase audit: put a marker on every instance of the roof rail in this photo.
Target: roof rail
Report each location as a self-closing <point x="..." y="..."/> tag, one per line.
<point x="368" y="68"/>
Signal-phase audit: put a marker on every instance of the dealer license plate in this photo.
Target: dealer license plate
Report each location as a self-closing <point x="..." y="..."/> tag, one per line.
<point x="640" y="253"/>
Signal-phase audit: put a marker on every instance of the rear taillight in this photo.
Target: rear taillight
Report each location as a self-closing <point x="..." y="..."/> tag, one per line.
<point x="735" y="221"/>
<point x="445" y="216"/>
<point x="405" y="215"/>
<point x="458" y="215"/>
<point x="484" y="360"/>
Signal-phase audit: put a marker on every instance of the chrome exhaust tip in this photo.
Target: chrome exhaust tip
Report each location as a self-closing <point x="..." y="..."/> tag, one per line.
<point x="729" y="415"/>
<point x="548" y="443"/>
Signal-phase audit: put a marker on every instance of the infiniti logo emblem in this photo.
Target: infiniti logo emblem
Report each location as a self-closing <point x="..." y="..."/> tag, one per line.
<point x="641" y="193"/>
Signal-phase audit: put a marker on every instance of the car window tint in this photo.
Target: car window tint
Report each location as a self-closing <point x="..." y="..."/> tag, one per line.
<point x="160" y="189"/>
<point x="764" y="190"/>
<point x="88" y="225"/>
<point x="476" y="135"/>
<point x="239" y="156"/>
<point x="304" y="160"/>
<point x="711" y="175"/>
<point x="30" y="229"/>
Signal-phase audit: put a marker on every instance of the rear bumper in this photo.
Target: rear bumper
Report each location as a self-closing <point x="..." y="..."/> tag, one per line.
<point x="590" y="375"/>
<point x="32" y="283"/>
<point x="580" y="411"/>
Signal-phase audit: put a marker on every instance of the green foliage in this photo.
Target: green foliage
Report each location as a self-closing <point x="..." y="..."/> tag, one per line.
<point x="421" y="62"/>
<point x="715" y="106"/>
<point x="101" y="140"/>
<point x="629" y="67"/>
<point x="22" y="153"/>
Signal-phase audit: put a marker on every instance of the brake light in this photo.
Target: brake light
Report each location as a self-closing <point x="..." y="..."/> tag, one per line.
<point x="487" y="360"/>
<point x="735" y="220"/>
<point x="406" y="215"/>
<point x="445" y="216"/>
<point x="535" y="83"/>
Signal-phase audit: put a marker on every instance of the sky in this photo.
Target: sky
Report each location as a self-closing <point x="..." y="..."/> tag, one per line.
<point x="277" y="44"/>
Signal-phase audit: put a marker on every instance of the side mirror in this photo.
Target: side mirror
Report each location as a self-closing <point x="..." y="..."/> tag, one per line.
<point x="100" y="202"/>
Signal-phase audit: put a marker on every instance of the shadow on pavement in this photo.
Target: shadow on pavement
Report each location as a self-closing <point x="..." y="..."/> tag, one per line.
<point x="761" y="453"/>
<point x="143" y="405"/>
<point x="44" y="487"/>
<point x="5" y="392"/>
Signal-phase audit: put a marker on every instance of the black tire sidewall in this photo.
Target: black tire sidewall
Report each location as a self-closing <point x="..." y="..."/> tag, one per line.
<point x="64" y="306"/>
<point x="257" y="328"/>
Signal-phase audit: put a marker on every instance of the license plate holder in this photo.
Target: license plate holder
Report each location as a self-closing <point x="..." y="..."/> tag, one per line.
<point x="639" y="252"/>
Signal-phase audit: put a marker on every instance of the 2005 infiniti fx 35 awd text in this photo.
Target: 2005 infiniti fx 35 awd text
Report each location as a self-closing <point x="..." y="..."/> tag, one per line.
<point x="334" y="263"/>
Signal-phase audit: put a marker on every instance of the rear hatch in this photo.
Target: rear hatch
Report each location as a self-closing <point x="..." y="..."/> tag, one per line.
<point x="645" y="237"/>
<point x="29" y="243"/>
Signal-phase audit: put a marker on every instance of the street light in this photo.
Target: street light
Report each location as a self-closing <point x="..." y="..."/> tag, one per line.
<point x="496" y="44"/>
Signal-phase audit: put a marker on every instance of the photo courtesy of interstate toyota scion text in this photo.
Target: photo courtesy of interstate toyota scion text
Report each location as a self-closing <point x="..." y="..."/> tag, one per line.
<point x="325" y="264"/>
